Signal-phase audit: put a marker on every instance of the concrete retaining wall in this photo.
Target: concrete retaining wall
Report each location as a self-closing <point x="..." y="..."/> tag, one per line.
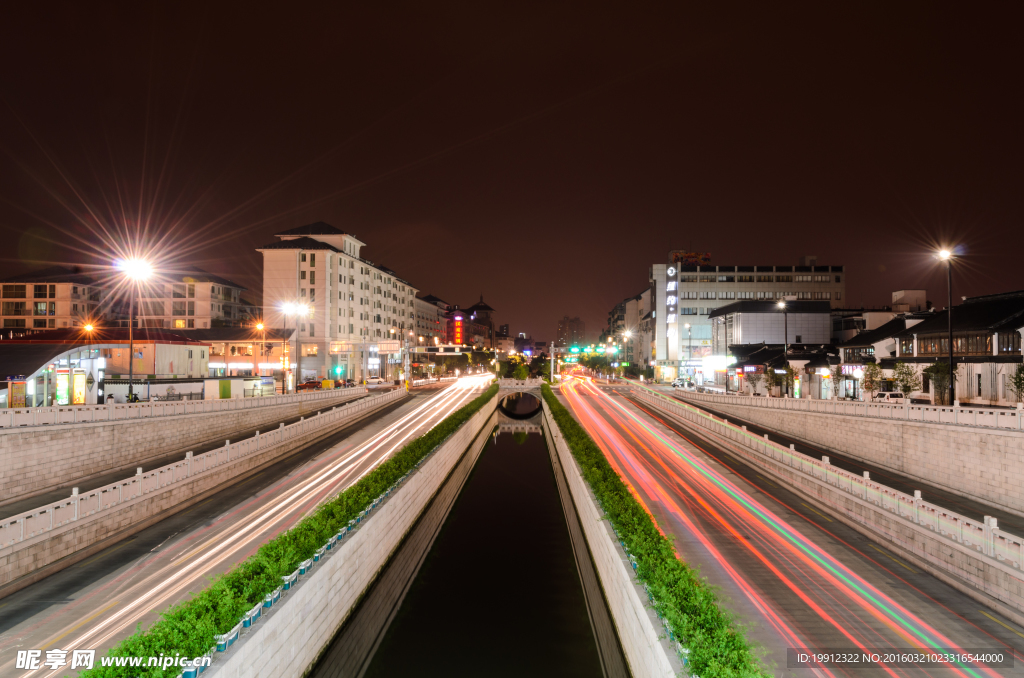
<point x="288" y="642"/>
<point x="37" y="459"/>
<point x="977" y="559"/>
<point x="985" y="464"/>
<point x="638" y="626"/>
<point x="39" y="543"/>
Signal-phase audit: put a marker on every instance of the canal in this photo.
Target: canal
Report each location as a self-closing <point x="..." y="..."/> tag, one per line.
<point x="497" y="591"/>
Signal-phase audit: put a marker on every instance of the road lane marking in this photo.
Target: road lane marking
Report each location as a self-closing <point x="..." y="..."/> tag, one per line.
<point x="817" y="511"/>
<point x="88" y="619"/>
<point x="1001" y="623"/>
<point x="893" y="559"/>
<point x="769" y="482"/>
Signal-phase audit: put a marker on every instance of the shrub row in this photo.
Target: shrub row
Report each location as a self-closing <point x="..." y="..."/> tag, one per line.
<point x="684" y="601"/>
<point x="189" y="627"/>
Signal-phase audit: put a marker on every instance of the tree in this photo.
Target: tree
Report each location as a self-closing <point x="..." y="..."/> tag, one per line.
<point x="837" y="376"/>
<point x="790" y="377"/>
<point x="938" y="375"/>
<point x="906" y="377"/>
<point x="755" y="379"/>
<point x="771" y="380"/>
<point x="872" y="380"/>
<point x="522" y="372"/>
<point x="1016" y="383"/>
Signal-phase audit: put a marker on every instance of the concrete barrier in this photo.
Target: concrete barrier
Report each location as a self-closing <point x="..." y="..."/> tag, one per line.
<point x="37" y="543"/>
<point x="288" y="642"/>
<point x="39" y="458"/>
<point x="985" y="463"/>
<point x="977" y="558"/>
<point x="639" y="629"/>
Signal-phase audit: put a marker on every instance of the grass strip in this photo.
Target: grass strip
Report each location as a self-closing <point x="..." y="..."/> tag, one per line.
<point x="189" y="628"/>
<point x="717" y="648"/>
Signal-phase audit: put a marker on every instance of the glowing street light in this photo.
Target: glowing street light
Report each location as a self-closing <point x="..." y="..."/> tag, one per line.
<point x="136" y="271"/>
<point x="947" y="256"/>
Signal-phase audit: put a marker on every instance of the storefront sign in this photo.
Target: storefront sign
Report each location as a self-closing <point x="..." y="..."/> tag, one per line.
<point x="78" y="389"/>
<point x="853" y="369"/>
<point x="751" y="368"/>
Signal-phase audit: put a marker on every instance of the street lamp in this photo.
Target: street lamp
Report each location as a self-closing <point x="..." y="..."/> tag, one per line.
<point x="136" y="270"/>
<point x="689" y="342"/>
<point x="298" y="310"/>
<point x="947" y="256"/>
<point x="785" y="331"/>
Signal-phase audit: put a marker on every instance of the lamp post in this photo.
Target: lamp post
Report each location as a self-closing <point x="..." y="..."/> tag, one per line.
<point x="785" y="331"/>
<point x="689" y="344"/>
<point x="947" y="256"/>
<point x="136" y="270"/>
<point x="298" y="310"/>
<point x="263" y="344"/>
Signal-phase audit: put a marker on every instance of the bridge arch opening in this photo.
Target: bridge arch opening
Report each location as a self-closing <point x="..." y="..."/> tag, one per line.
<point x="520" y="405"/>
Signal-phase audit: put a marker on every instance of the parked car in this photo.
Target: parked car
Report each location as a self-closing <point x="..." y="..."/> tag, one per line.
<point x="308" y="386"/>
<point x="373" y="381"/>
<point x="890" y="397"/>
<point x="349" y="383"/>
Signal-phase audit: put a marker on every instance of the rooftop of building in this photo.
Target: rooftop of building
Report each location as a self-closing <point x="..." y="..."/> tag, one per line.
<point x="431" y="299"/>
<point x="55" y="274"/>
<point x="102" y="335"/>
<point x="705" y="268"/>
<point x="1002" y="312"/>
<point x="302" y="243"/>
<point x="317" y="228"/>
<point x="880" y="333"/>
<point x="753" y="306"/>
<point x="773" y="355"/>
<point x="478" y="306"/>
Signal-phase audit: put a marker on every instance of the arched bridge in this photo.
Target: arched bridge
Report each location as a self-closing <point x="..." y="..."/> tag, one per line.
<point x="520" y="385"/>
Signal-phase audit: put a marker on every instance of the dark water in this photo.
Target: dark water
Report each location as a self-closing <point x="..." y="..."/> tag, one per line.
<point x="520" y="404"/>
<point x="499" y="593"/>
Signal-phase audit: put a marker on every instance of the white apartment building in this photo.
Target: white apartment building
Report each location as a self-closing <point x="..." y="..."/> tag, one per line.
<point x="360" y="313"/>
<point x="52" y="298"/>
<point x="189" y="300"/>
<point x="685" y="294"/>
<point x="431" y="318"/>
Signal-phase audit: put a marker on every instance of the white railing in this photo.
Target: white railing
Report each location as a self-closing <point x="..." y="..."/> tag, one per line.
<point x="984" y="536"/>
<point x="78" y="414"/>
<point x="519" y="384"/>
<point x="36" y="522"/>
<point x="935" y="414"/>
<point x="440" y="380"/>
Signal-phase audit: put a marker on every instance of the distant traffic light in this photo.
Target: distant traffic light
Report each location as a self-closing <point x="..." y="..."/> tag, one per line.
<point x="574" y="349"/>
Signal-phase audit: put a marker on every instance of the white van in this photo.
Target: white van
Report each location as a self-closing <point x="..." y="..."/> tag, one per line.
<point x="893" y="398"/>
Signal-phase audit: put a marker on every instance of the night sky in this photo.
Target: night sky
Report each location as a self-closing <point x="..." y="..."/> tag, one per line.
<point x="543" y="156"/>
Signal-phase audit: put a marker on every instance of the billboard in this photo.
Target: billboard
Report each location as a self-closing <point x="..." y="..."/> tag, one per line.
<point x="684" y="258"/>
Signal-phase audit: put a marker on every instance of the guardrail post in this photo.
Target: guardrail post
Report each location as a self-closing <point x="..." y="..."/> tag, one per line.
<point x="917" y="506"/>
<point x="188" y="458"/>
<point x="138" y="477"/>
<point x="867" y="477"/>
<point x="257" y="439"/>
<point x="227" y="450"/>
<point x="991" y="527"/>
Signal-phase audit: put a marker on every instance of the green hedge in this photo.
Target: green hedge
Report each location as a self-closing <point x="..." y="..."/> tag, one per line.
<point x="717" y="648"/>
<point x="189" y="627"/>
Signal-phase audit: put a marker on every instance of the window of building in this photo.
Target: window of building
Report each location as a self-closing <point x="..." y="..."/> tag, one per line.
<point x="1009" y="342"/>
<point x="178" y="291"/>
<point x="799" y="339"/>
<point x="302" y="257"/>
<point x="839" y="295"/>
<point x="857" y="355"/>
<point x="312" y="295"/>
<point x="309" y="349"/>
<point x="744" y="295"/>
<point x="312" y="277"/>
<point x="191" y="308"/>
<point x="14" y="323"/>
<point x="180" y="324"/>
<point x="688" y="295"/>
<point x="823" y="296"/>
<point x="178" y="308"/>
<point x="765" y="295"/>
<point x="302" y="292"/>
<point x="40" y="291"/>
<point x="803" y="296"/>
<point x="838" y="279"/>
<point x="802" y="278"/>
<point x="40" y="308"/>
<point x="707" y="295"/>
<point x="302" y="275"/>
<point x="191" y="291"/>
<point x="906" y="346"/>
<point x="726" y="295"/>
<point x="783" y="278"/>
<point x="51" y="323"/>
<point x="39" y="323"/>
<point x="14" y="292"/>
<point x="687" y="278"/>
<point x="726" y="278"/>
<point x="765" y="278"/>
<point x="744" y="278"/>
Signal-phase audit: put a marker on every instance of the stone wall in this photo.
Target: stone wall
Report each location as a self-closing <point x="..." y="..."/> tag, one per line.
<point x="37" y="459"/>
<point x="637" y="625"/>
<point x="292" y="636"/>
<point x="984" y="464"/>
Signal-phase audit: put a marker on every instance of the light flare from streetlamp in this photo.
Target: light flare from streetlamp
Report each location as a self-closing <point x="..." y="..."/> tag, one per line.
<point x="945" y="254"/>
<point x="136" y="269"/>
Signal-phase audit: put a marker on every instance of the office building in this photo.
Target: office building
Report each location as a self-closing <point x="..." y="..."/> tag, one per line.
<point x="571" y="331"/>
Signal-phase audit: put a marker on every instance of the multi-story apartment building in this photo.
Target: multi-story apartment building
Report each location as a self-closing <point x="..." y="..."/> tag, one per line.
<point x="51" y="298"/>
<point x="431" y="318"/>
<point x="685" y="294"/>
<point x="359" y="314"/>
<point x="185" y="300"/>
<point x="570" y="331"/>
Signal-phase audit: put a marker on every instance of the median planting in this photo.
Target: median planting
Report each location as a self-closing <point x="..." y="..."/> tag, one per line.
<point x="714" y="646"/>
<point x="213" y="616"/>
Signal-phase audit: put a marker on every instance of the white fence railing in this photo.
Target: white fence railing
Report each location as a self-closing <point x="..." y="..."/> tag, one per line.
<point x="29" y="524"/>
<point x="519" y="384"/>
<point x="984" y="536"/>
<point x="935" y="414"/>
<point x="77" y="414"/>
<point x="440" y="380"/>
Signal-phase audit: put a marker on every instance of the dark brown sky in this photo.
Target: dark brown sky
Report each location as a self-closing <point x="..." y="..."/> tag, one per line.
<point x="543" y="156"/>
